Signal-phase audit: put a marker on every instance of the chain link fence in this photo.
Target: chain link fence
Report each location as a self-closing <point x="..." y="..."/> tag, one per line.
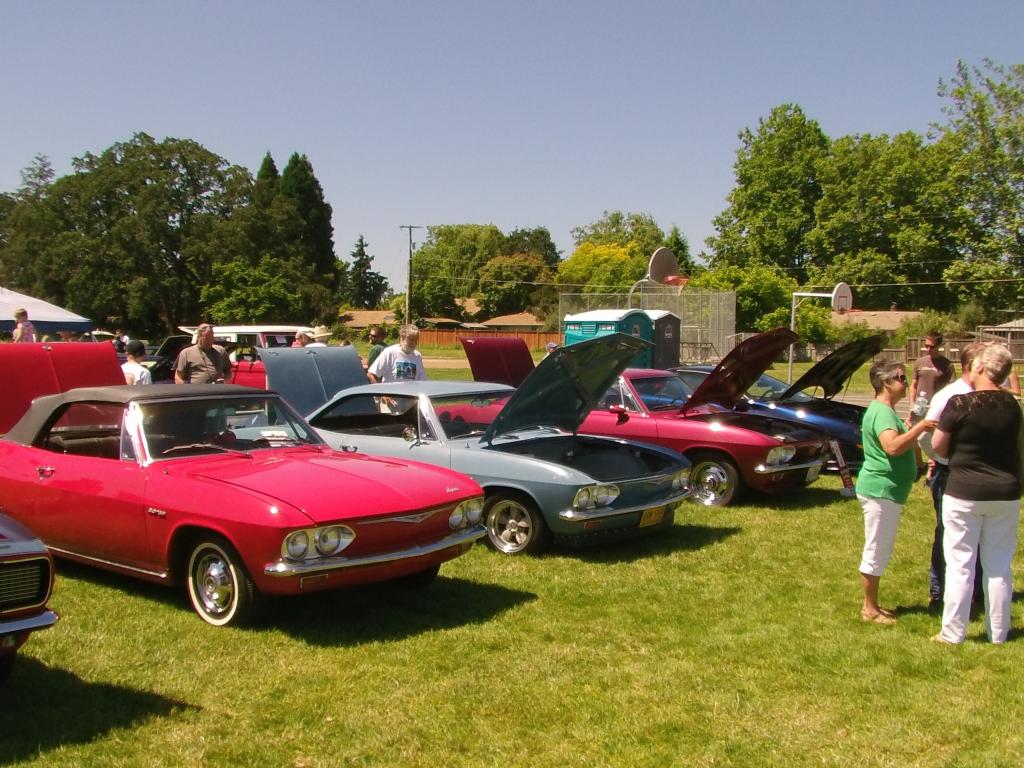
<point x="707" y="318"/>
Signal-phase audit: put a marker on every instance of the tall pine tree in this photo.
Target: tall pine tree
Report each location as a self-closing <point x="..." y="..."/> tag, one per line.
<point x="366" y="287"/>
<point x="300" y="185"/>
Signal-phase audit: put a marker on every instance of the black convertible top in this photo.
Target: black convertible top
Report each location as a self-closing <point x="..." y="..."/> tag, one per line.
<point x="42" y="408"/>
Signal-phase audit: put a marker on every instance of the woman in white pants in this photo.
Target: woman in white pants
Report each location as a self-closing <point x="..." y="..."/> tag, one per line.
<point x="980" y="432"/>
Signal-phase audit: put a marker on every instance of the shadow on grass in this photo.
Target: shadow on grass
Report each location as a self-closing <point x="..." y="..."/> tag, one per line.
<point x="675" y="539"/>
<point x="801" y="499"/>
<point x="349" y="615"/>
<point x="376" y="612"/>
<point x="45" y="708"/>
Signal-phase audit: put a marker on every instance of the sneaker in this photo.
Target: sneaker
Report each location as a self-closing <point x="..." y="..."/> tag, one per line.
<point x="941" y="640"/>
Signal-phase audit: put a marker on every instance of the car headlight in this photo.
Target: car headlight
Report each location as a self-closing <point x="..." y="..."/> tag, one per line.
<point x="317" y="542"/>
<point x="605" y="495"/>
<point x="681" y="480"/>
<point x="584" y="498"/>
<point x="780" y="454"/>
<point x="296" y="545"/>
<point x="474" y="510"/>
<point x="333" y="539"/>
<point x="466" y="513"/>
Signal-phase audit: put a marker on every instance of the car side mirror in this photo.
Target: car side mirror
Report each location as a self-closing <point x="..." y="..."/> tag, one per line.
<point x="622" y="415"/>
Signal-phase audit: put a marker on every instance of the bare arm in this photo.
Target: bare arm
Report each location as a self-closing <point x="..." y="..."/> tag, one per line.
<point x="896" y="444"/>
<point x="940" y="443"/>
<point x="373" y="378"/>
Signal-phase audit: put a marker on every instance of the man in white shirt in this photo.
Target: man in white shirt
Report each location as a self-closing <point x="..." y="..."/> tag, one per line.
<point x="134" y="371"/>
<point x="401" y="361"/>
<point x="940" y="474"/>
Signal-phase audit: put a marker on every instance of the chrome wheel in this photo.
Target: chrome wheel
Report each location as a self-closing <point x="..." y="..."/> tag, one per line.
<point x="219" y="588"/>
<point x="715" y="481"/>
<point x="514" y="525"/>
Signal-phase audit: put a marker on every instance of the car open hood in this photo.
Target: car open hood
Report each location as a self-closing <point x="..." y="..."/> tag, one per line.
<point x="835" y="370"/>
<point x="498" y="359"/>
<point x="739" y="369"/>
<point x="307" y="377"/>
<point x="566" y="385"/>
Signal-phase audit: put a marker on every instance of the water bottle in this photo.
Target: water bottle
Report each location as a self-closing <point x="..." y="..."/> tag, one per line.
<point x="920" y="407"/>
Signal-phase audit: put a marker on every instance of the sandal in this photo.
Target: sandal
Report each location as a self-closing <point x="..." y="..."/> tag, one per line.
<point x="878" y="618"/>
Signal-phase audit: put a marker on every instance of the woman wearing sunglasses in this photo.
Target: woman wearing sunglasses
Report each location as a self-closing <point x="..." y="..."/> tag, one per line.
<point x="885" y="478"/>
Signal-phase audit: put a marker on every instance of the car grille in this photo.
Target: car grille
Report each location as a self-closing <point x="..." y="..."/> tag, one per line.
<point x="23" y="583"/>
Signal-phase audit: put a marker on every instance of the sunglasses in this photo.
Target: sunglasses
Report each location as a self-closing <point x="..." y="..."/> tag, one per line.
<point x="929" y="346"/>
<point x="899" y="377"/>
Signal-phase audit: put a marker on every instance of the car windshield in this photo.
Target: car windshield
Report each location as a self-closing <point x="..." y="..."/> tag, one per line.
<point x="470" y="414"/>
<point x="219" y="425"/>
<point x="769" y="389"/>
<point x="662" y="392"/>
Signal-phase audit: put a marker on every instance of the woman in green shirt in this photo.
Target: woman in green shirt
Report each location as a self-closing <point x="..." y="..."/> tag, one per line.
<point x="885" y="478"/>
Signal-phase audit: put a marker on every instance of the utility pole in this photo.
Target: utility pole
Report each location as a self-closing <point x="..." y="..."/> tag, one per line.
<point x="408" y="284"/>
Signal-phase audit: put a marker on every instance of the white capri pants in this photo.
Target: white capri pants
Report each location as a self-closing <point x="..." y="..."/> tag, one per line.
<point x="881" y="519"/>
<point x="978" y="528"/>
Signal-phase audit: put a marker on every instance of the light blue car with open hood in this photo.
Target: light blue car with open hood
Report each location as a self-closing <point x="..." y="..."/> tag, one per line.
<point x="542" y="480"/>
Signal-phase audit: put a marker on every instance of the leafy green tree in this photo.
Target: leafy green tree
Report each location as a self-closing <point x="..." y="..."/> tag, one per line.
<point x="366" y="288"/>
<point x="242" y="292"/>
<point x="986" y="114"/>
<point x="889" y="216"/>
<point x="448" y="265"/>
<point x="510" y="284"/>
<point x="638" y="232"/>
<point x="771" y="208"/>
<point x="537" y="240"/>
<point x="763" y="294"/>
<point x="601" y="268"/>
<point x="130" y="222"/>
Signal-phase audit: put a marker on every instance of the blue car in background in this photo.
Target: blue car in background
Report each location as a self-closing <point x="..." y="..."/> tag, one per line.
<point x="791" y="402"/>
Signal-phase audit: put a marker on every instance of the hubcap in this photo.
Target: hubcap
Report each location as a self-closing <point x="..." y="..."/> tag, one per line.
<point x="214" y="586"/>
<point x="711" y="482"/>
<point x="509" y="526"/>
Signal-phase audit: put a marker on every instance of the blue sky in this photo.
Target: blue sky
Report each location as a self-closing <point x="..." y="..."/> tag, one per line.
<point x="519" y="114"/>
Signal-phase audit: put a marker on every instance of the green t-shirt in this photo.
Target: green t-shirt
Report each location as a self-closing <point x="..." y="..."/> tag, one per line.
<point x="883" y="476"/>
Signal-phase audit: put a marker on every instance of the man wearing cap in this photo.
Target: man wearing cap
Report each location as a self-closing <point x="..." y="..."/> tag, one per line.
<point x="303" y="336"/>
<point x="24" y="331"/>
<point x="204" y="362"/>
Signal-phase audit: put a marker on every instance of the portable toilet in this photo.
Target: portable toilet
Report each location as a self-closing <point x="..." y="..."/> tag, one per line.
<point x="601" y="322"/>
<point x="667" y="327"/>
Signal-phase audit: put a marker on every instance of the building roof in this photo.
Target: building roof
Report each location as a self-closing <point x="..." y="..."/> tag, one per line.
<point x="881" y="320"/>
<point x="364" y="318"/>
<point x="518" y="320"/>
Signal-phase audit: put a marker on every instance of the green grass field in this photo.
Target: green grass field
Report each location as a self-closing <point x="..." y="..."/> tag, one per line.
<point x="734" y="640"/>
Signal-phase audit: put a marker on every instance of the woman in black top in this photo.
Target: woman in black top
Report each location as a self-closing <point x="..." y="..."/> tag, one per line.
<point x="979" y="432"/>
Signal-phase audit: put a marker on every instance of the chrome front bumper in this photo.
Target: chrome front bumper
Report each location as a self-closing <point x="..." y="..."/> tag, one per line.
<point x="324" y="564"/>
<point x="581" y="515"/>
<point x="43" y="620"/>
<point x="762" y="469"/>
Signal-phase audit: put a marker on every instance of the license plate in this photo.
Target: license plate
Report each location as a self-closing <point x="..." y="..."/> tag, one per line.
<point x="813" y="472"/>
<point x="652" y="516"/>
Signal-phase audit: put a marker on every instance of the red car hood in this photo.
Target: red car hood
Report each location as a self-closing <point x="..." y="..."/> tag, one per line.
<point x="34" y="370"/>
<point x="328" y="485"/>
<point x="497" y="359"/>
<point x="739" y="369"/>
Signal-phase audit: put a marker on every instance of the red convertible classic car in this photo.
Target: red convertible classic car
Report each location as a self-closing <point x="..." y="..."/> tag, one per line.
<point x="730" y="451"/>
<point x="226" y="491"/>
<point x="26" y="580"/>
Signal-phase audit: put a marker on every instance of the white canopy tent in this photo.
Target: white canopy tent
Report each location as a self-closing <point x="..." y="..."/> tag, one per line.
<point x="46" y="317"/>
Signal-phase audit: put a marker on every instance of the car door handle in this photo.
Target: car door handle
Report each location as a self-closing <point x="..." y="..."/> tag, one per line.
<point x="45" y="472"/>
